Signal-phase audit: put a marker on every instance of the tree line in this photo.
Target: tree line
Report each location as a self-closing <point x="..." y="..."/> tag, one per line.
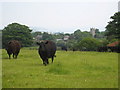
<point x="79" y="40"/>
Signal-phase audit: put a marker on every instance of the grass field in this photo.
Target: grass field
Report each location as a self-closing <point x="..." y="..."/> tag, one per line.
<point x="69" y="70"/>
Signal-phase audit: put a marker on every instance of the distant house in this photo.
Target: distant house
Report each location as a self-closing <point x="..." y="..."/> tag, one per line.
<point x="58" y="39"/>
<point x="114" y="47"/>
<point x="66" y="38"/>
<point x="113" y="44"/>
<point x="38" y="37"/>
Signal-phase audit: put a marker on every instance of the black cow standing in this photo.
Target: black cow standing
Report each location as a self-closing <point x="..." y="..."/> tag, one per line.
<point x="102" y="49"/>
<point x="46" y="50"/>
<point x="13" y="47"/>
<point x="64" y="48"/>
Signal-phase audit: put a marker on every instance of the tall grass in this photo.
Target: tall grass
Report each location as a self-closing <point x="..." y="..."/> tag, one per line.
<point x="69" y="70"/>
<point x="58" y="68"/>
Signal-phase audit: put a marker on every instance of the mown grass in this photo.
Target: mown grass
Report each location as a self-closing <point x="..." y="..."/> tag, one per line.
<point x="69" y="70"/>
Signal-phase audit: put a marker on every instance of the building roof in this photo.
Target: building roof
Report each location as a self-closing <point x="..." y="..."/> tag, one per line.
<point x="66" y="37"/>
<point x="113" y="44"/>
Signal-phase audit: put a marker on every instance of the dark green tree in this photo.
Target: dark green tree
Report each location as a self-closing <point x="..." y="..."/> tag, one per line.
<point x="59" y="36"/>
<point x="88" y="44"/>
<point x="71" y="44"/>
<point x="34" y="34"/>
<point x="60" y="43"/>
<point x="79" y="35"/>
<point x="46" y="36"/>
<point x="18" y="32"/>
<point x="113" y="27"/>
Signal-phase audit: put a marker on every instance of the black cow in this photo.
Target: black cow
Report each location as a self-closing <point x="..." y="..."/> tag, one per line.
<point x="46" y="50"/>
<point x="102" y="49"/>
<point x="74" y="49"/>
<point x="114" y="49"/>
<point x="64" y="48"/>
<point x="13" y="47"/>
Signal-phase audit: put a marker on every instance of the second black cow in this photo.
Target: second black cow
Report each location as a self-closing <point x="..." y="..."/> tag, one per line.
<point x="13" y="47"/>
<point x="47" y="49"/>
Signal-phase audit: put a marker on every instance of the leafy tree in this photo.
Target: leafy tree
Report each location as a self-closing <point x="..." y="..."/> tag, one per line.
<point x="34" y="34"/>
<point x="47" y="36"/>
<point x="78" y="35"/>
<point x="97" y="31"/>
<point x="59" y="36"/>
<point x="100" y="35"/>
<point x="103" y="42"/>
<point x="88" y="44"/>
<point x="18" y="32"/>
<point x="71" y="44"/>
<point x="113" y="27"/>
<point x="60" y="43"/>
<point x="86" y="34"/>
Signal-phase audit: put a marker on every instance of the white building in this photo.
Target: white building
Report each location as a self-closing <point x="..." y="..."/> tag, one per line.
<point x="92" y="31"/>
<point x="38" y="37"/>
<point x="58" y="39"/>
<point x="66" y="38"/>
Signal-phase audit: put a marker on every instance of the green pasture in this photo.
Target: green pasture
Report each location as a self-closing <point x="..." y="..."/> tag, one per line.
<point x="69" y="70"/>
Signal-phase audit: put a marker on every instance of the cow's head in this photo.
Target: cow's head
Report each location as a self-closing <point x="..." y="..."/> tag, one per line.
<point x="42" y="45"/>
<point x="7" y="46"/>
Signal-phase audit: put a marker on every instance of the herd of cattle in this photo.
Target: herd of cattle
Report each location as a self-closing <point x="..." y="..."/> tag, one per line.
<point x="110" y="49"/>
<point x="47" y="49"/>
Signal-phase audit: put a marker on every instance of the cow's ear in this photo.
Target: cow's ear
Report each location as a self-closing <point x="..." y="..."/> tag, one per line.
<point x="37" y="43"/>
<point x="46" y="42"/>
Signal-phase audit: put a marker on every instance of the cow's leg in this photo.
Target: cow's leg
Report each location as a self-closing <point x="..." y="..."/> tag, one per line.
<point x="16" y="55"/>
<point x="13" y="55"/>
<point x="52" y="59"/>
<point x="9" y="53"/>
<point x="47" y="61"/>
<point x="9" y="56"/>
<point x="44" y="62"/>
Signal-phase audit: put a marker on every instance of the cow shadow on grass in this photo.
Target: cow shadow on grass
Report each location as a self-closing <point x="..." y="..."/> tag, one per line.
<point x="7" y="58"/>
<point x="38" y="64"/>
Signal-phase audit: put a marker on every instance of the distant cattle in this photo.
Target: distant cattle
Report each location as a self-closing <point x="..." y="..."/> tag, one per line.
<point x="47" y="49"/>
<point x="110" y="49"/>
<point x="74" y="49"/>
<point x="13" y="47"/>
<point x="103" y="49"/>
<point x="114" y="49"/>
<point x="64" y="48"/>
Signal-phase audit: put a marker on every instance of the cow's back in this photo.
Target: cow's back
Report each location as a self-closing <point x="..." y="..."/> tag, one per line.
<point x="14" y="46"/>
<point x="51" y="48"/>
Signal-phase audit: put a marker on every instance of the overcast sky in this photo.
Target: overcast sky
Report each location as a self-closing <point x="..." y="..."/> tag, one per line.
<point x="61" y="16"/>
